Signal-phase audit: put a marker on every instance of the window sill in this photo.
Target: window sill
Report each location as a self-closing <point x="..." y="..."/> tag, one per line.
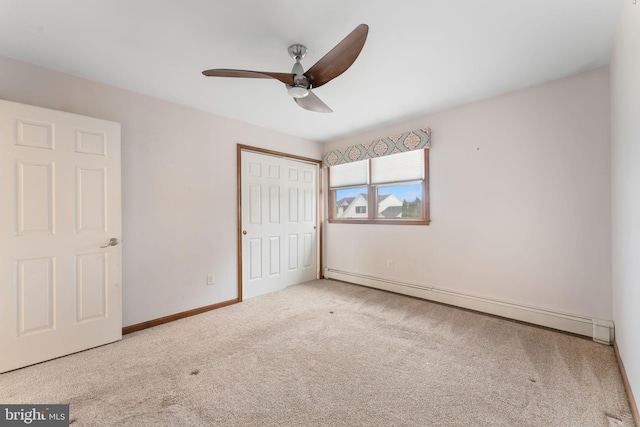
<point x="380" y="221"/>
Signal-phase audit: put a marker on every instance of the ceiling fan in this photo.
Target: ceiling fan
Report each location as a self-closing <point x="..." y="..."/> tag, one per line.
<point x="299" y="82"/>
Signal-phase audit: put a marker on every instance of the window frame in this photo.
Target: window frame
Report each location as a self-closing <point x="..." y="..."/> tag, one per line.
<point x="372" y="202"/>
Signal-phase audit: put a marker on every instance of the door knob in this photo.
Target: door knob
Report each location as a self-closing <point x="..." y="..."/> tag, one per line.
<point x="244" y="231"/>
<point x="112" y="242"/>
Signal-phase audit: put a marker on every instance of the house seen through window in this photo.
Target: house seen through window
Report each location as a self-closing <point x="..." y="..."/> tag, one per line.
<point x="381" y="190"/>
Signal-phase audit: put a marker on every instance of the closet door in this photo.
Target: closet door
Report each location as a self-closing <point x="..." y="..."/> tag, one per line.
<point x="279" y="222"/>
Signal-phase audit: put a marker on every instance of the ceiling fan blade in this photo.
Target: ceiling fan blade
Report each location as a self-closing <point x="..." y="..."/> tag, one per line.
<point x="286" y="78"/>
<point x="312" y="103"/>
<point x="339" y="59"/>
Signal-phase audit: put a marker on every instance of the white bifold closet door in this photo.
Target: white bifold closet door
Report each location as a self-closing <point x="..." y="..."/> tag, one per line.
<point x="279" y="222"/>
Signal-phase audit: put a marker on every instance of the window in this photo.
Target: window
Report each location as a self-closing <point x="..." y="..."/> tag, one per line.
<point x="384" y="190"/>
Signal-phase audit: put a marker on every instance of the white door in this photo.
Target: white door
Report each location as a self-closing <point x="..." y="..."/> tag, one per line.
<point x="279" y="222"/>
<point x="60" y="291"/>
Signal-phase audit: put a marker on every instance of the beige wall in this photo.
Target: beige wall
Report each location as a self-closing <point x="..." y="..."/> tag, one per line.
<point x="520" y="202"/>
<point x="625" y="153"/>
<point x="179" y="186"/>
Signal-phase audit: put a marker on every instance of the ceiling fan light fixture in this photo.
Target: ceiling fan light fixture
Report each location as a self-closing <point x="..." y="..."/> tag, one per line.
<point x="298" y="91"/>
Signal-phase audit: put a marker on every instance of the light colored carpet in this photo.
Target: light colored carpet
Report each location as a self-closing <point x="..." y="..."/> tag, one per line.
<point x="332" y="354"/>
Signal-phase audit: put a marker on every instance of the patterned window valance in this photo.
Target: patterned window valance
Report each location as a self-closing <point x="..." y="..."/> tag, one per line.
<point x="413" y="140"/>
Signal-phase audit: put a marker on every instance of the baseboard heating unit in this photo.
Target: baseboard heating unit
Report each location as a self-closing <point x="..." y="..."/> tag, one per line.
<point x="600" y="330"/>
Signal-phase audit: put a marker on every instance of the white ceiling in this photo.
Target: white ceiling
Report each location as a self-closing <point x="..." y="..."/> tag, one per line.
<point x="421" y="56"/>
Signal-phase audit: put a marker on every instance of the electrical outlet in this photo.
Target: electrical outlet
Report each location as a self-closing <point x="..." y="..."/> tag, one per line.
<point x="390" y="264"/>
<point x="211" y="279"/>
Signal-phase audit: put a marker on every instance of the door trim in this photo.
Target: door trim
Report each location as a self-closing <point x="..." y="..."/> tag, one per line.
<point x="320" y="206"/>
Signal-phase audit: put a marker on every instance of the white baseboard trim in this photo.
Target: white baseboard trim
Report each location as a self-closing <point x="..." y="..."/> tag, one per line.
<point x="600" y="330"/>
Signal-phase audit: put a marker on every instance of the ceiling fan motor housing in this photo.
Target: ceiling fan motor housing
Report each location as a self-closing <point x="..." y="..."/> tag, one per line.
<point x="301" y="85"/>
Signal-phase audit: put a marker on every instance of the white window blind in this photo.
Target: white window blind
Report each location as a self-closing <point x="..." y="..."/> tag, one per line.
<point x="401" y="167"/>
<point x="350" y="174"/>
